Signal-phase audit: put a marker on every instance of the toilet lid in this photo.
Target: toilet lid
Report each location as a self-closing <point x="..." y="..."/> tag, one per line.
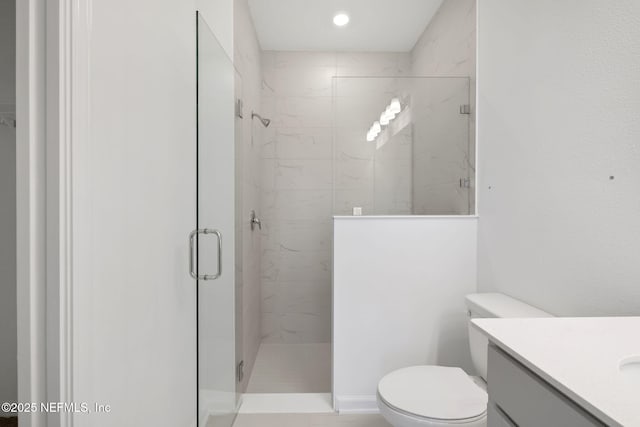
<point x="433" y="392"/>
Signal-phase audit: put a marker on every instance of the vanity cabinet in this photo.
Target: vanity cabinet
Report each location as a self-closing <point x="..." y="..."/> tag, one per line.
<point x="497" y="418"/>
<point x="518" y="397"/>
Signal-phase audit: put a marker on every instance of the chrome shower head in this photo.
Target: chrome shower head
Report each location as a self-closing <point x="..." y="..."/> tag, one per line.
<point x="265" y="122"/>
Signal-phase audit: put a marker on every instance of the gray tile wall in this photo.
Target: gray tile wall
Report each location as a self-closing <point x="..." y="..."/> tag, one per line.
<point x="448" y="48"/>
<point x="249" y="136"/>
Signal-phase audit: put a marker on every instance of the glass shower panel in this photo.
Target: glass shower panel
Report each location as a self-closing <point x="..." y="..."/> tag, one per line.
<point x="215" y="232"/>
<point x="239" y="221"/>
<point x="402" y="146"/>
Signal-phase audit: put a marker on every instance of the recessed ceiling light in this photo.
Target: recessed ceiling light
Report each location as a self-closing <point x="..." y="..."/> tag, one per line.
<point x="341" y="19"/>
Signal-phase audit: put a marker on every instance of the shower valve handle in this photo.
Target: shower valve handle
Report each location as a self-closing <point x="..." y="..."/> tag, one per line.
<point x="255" y="221"/>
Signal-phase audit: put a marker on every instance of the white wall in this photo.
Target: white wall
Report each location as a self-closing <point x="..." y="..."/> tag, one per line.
<point x="134" y="206"/>
<point x="559" y="95"/>
<point x="8" y="331"/>
<point x="398" y="291"/>
<point x="219" y="16"/>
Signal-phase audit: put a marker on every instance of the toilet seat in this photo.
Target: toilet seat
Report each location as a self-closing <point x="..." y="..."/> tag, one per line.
<point x="433" y="395"/>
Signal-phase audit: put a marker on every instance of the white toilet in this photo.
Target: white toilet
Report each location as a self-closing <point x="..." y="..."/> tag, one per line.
<point x="439" y="396"/>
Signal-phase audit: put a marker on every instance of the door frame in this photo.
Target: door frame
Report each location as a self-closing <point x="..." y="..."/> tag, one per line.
<point x="50" y="89"/>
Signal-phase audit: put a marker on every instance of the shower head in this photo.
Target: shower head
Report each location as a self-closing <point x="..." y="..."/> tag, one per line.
<point x="265" y="122"/>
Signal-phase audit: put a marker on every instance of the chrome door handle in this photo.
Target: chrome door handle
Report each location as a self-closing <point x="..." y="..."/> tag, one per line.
<point x="192" y="239"/>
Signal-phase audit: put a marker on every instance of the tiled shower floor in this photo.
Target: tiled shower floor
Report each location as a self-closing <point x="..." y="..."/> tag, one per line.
<point x="291" y="368"/>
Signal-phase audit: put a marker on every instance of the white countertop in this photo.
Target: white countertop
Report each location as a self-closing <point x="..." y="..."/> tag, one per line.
<point x="580" y="357"/>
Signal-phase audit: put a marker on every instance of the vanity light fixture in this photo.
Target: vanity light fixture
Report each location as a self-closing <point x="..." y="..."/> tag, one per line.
<point x="384" y="119"/>
<point x="371" y="136"/>
<point x="395" y="107"/>
<point x="391" y="111"/>
<point x="374" y="131"/>
<point x="341" y="19"/>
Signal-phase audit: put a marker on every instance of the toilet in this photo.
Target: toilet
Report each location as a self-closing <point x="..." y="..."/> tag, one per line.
<point x="440" y="396"/>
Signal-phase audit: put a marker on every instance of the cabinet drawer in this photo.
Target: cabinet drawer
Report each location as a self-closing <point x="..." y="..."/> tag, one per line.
<point x="528" y="400"/>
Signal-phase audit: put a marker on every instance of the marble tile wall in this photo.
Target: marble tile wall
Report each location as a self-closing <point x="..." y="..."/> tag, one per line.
<point x="441" y="147"/>
<point x="370" y="175"/>
<point x="418" y="170"/>
<point x="301" y="179"/>
<point x="443" y="140"/>
<point x="448" y="48"/>
<point x="392" y="181"/>
<point x="249" y="135"/>
<point x="297" y="179"/>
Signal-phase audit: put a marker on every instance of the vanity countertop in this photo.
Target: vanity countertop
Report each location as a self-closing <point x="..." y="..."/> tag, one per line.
<point x="580" y="357"/>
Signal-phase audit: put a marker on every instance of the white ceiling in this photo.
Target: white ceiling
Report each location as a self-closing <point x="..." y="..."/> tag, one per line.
<point x="376" y="25"/>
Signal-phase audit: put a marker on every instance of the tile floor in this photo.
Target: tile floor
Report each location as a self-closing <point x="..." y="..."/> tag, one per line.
<point x="291" y="368"/>
<point x="286" y="403"/>
<point x="297" y="368"/>
<point x="309" y="420"/>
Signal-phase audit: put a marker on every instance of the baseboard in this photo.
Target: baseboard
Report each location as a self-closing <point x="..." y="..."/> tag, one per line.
<point x="356" y="405"/>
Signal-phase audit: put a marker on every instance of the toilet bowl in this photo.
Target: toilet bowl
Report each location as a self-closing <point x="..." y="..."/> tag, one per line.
<point x="434" y="396"/>
<point x="440" y="396"/>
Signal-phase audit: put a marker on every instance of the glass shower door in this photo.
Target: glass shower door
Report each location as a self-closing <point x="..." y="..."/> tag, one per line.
<point x="213" y="240"/>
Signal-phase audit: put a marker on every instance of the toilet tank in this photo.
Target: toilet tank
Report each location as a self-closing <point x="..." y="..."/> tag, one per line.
<point x="492" y="305"/>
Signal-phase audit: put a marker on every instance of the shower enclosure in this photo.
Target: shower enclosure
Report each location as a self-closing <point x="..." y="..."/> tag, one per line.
<point x="318" y="161"/>
<point x="271" y="176"/>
